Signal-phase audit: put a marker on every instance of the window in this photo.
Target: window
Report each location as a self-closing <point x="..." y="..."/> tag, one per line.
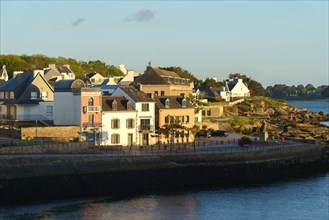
<point x="162" y="93"/>
<point x="167" y="119"/>
<point x="187" y="119"/>
<point x="49" y="109"/>
<point x="184" y="103"/>
<point x="115" y="138"/>
<point x="145" y="124"/>
<point x="2" y="95"/>
<point x="44" y="95"/>
<point x="115" y="123"/>
<point x="145" y="107"/>
<point x="130" y="123"/>
<point x="114" y="105"/>
<point x="203" y="112"/>
<point x="0" y="108"/>
<point x="183" y="119"/>
<point x="167" y="103"/>
<point x="91" y="120"/>
<point x="156" y="93"/>
<point x="208" y="112"/>
<point x="34" y="95"/>
<point x="91" y="102"/>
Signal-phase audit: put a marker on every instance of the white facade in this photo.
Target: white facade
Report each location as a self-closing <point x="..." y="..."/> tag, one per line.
<point x="239" y="90"/>
<point x="43" y="111"/>
<point x="142" y="115"/>
<point x="127" y="136"/>
<point x="65" y="103"/>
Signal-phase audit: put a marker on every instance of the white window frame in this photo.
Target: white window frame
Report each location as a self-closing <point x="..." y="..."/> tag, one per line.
<point x="34" y="95"/>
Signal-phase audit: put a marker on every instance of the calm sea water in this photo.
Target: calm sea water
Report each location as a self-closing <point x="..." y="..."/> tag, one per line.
<point x="296" y="198"/>
<point x="301" y="198"/>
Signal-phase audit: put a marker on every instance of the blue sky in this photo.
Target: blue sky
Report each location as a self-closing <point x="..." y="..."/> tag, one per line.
<point x="270" y="41"/>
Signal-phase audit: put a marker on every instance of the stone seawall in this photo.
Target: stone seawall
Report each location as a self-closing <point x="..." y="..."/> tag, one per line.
<point x="26" y="179"/>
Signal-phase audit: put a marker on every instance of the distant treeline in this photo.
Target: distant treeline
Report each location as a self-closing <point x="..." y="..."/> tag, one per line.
<point x="283" y="91"/>
<point x="29" y="63"/>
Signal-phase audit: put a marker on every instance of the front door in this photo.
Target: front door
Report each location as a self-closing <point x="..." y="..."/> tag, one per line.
<point x="130" y="139"/>
<point x="146" y="139"/>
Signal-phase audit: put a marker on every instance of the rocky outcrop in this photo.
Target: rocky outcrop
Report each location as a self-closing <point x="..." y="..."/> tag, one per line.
<point x="284" y="120"/>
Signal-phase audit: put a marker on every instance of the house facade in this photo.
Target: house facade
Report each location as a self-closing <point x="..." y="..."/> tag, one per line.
<point x="119" y="122"/>
<point x="26" y="97"/>
<point x="235" y="88"/>
<point x="76" y="104"/>
<point x="56" y="73"/>
<point x="145" y="107"/>
<point x="158" y="82"/>
<point x="174" y="119"/>
<point x="95" y="78"/>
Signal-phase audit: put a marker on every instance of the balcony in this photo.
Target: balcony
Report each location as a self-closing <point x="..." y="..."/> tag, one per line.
<point x="94" y="108"/>
<point x="91" y="124"/>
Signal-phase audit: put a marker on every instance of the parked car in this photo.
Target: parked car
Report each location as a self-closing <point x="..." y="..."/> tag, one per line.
<point x="219" y="133"/>
<point x="203" y="133"/>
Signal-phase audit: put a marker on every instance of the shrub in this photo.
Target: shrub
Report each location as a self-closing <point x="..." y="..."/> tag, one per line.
<point x="244" y="140"/>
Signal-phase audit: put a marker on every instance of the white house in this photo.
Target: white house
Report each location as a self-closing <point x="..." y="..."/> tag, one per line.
<point x="119" y="122"/>
<point x="234" y="88"/>
<point x="145" y="107"/>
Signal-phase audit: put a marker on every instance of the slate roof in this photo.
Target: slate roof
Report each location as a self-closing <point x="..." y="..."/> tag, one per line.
<point x="68" y="85"/>
<point x="64" y="69"/>
<point x="156" y="76"/>
<point x="175" y="102"/>
<point x="121" y="103"/>
<point x="135" y="94"/>
<point x="21" y="85"/>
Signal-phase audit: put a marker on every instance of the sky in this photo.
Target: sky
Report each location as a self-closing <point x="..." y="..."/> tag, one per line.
<point x="273" y="42"/>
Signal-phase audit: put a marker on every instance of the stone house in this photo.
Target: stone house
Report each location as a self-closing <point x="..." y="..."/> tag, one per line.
<point x="158" y="82"/>
<point x="174" y="117"/>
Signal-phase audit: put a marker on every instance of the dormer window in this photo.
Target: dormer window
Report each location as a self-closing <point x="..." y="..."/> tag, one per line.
<point x="114" y="105"/>
<point x="167" y="103"/>
<point x="184" y="103"/>
<point x="44" y="95"/>
<point x="34" y="95"/>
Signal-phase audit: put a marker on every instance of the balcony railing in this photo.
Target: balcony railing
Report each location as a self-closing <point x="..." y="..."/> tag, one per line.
<point x="146" y="127"/>
<point x="91" y="124"/>
<point x="94" y="109"/>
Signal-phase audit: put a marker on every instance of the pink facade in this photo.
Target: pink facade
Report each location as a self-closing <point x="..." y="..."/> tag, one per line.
<point x="91" y="103"/>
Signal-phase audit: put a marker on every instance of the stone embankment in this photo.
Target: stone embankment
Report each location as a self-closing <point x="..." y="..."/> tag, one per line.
<point x="37" y="178"/>
<point x="284" y="120"/>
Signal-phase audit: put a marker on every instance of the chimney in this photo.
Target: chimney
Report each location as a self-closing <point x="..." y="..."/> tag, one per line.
<point x="149" y="66"/>
<point x="35" y="72"/>
<point x="52" y="66"/>
<point x="15" y="73"/>
<point x="67" y="65"/>
<point x="123" y="69"/>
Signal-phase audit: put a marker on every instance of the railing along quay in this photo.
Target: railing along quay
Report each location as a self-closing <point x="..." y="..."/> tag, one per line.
<point x="90" y="149"/>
